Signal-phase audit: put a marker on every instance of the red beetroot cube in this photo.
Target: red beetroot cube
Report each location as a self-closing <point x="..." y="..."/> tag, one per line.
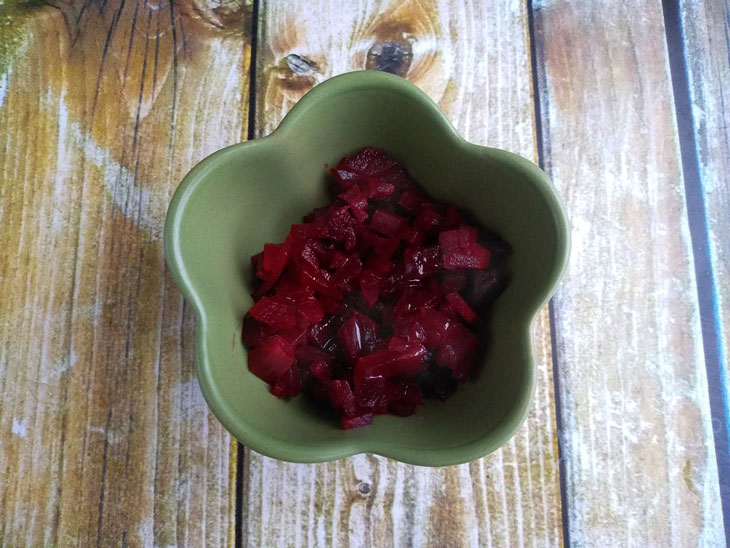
<point x="453" y="218"/>
<point x="475" y="257"/>
<point x="308" y="354"/>
<point x="412" y="236"/>
<point x="288" y="385"/>
<point x="356" y="421"/>
<point x="411" y="200"/>
<point x="386" y="223"/>
<point x="385" y="247"/>
<point x="321" y="370"/>
<point x="370" y="285"/>
<point x="255" y="333"/>
<point x="370" y="162"/>
<point x="272" y="359"/>
<point x="380" y="189"/>
<point x="274" y="313"/>
<point x="369" y="390"/>
<point x="389" y="363"/>
<point x="453" y="281"/>
<point x="342" y="397"/>
<point x="435" y="325"/>
<point x="427" y="219"/>
<point x="422" y="261"/>
<point x="347" y="272"/>
<point x="456" y="351"/>
<point x="357" y="201"/>
<point x="351" y="338"/>
<point x="461" y="307"/>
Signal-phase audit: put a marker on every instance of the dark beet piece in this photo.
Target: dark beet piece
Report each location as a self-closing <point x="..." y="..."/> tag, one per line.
<point x="367" y="305"/>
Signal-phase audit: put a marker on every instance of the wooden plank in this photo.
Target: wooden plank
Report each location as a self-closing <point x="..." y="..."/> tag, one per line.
<point x="106" y="437"/>
<point x="639" y="454"/>
<point x="706" y="27"/>
<point x="474" y="60"/>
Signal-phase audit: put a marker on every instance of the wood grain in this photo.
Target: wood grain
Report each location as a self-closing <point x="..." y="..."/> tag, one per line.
<point x="106" y="439"/>
<point x="639" y="454"/>
<point x="474" y="60"/>
<point x="707" y="34"/>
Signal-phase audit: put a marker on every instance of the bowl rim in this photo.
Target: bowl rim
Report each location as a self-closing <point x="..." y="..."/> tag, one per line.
<point x="281" y="449"/>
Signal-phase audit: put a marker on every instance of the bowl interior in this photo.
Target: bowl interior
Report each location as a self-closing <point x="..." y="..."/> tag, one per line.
<point x="249" y="194"/>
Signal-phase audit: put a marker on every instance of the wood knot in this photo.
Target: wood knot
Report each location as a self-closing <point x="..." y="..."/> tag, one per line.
<point x="364" y="488"/>
<point x="393" y="57"/>
<point x="299" y="65"/>
<point x="297" y="72"/>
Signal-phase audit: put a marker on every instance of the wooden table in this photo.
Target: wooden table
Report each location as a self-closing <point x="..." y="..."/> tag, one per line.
<point x="105" y="439"/>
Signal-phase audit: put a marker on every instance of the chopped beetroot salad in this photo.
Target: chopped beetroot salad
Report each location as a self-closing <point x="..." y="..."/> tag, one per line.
<point x="370" y="304"/>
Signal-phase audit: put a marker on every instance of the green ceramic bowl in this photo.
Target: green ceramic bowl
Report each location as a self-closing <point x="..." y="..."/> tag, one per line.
<point x="248" y="194"/>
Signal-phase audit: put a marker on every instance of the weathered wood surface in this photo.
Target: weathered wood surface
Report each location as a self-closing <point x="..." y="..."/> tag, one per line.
<point x="640" y="466"/>
<point x="106" y="439"/>
<point x="707" y="49"/>
<point x="474" y="61"/>
<point x="104" y="436"/>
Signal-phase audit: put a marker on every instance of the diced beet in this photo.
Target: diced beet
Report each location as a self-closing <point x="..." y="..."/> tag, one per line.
<point x="453" y="218"/>
<point x="434" y="324"/>
<point x="255" y="333"/>
<point x="385" y="247"/>
<point x="390" y="363"/>
<point x="476" y="258"/>
<point x="467" y="236"/>
<point x="380" y="189"/>
<point x="461" y="307"/>
<point x="370" y="162"/>
<point x="270" y="253"/>
<point x="356" y="421"/>
<point x="357" y="201"/>
<point x="422" y="261"/>
<point x="295" y="335"/>
<point x="321" y="370"/>
<point x="342" y="397"/>
<point x="370" y="284"/>
<point x="307" y="353"/>
<point x="311" y="309"/>
<point x="419" y="274"/>
<point x="412" y="300"/>
<point x="386" y="223"/>
<point x="379" y="265"/>
<point x="456" y="351"/>
<point x="288" y="385"/>
<point x="347" y="272"/>
<point x="412" y="236"/>
<point x="272" y="359"/>
<point x="402" y="408"/>
<point x="369" y="390"/>
<point x="330" y="304"/>
<point x="453" y="280"/>
<point x="427" y="219"/>
<point x="344" y="177"/>
<point x="449" y="241"/>
<point x="338" y="260"/>
<point x="351" y="338"/>
<point x="258" y="263"/>
<point x="274" y="313"/>
<point x="414" y="394"/>
<point x="411" y="201"/>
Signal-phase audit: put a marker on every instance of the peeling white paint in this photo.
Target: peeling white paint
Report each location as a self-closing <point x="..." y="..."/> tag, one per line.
<point x="20" y="428"/>
<point x="4" y="86"/>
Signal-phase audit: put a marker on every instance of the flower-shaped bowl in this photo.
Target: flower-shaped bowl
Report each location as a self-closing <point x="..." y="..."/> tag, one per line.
<point x="248" y="194"/>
